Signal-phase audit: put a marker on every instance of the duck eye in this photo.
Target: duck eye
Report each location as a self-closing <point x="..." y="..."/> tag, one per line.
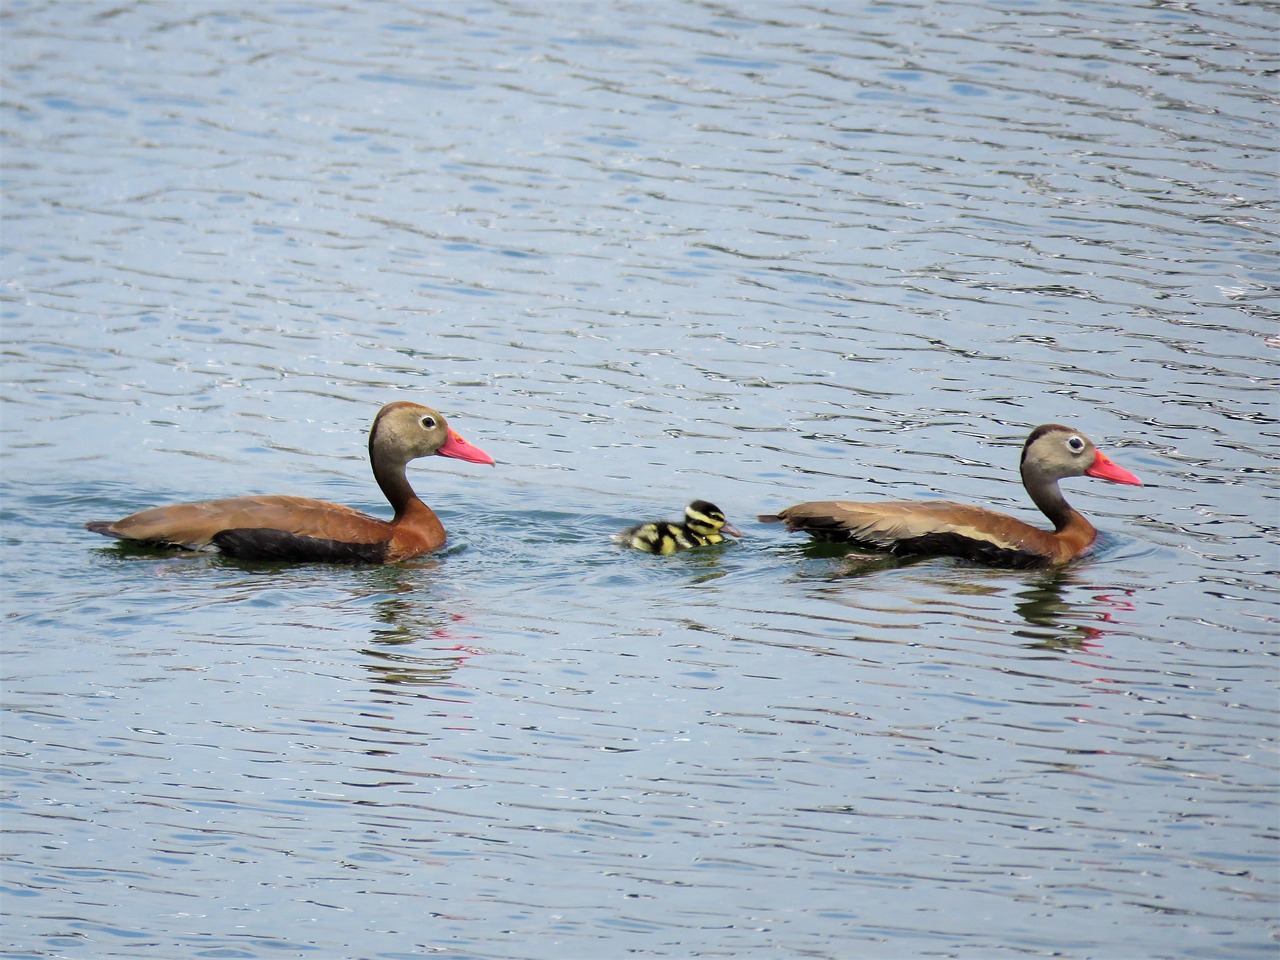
<point x="429" y="423"/>
<point x="1075" y="444"/>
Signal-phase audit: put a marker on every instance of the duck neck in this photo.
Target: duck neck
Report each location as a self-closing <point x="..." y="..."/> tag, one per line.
<point x="390" y="474"/>
<point x="1048" y="497"/>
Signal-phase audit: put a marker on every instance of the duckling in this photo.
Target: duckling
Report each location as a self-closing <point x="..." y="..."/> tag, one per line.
<point x="704" y="523"/>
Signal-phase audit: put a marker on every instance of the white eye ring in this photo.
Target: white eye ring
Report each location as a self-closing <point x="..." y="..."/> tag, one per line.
<point x="429" y="423"/>
<point x="1075" y="444"/>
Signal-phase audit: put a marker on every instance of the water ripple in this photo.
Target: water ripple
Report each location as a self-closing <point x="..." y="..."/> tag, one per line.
<point x="641" y="255"/>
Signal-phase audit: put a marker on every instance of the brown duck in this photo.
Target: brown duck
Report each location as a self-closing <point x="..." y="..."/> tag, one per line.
<point x="1052" y="453"/>
<point x="299" y="529"/>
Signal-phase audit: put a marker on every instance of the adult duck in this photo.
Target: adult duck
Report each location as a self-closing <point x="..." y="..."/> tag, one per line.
<point x="1052" y="453"/>
<point x="299" y="529"/>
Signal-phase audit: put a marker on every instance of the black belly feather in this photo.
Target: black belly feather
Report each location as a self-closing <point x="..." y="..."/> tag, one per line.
<point x="942" y="543"/>
<point x="958" y="545"/>
<point x="267" y="544"/>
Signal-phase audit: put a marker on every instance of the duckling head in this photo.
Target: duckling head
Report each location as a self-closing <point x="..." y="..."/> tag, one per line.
<point x="707" y="522"/>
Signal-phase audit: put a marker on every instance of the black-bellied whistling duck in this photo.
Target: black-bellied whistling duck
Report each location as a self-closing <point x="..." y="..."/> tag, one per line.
<point x="298" y="529"/>
<point x="1052" y="453"/>
<point x="704" y="523"/>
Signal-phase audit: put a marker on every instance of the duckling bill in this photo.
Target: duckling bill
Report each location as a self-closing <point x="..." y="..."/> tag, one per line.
<point x="704" y="523"/>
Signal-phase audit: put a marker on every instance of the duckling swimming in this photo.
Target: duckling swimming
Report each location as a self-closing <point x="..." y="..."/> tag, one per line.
<point x="704" y="523"/>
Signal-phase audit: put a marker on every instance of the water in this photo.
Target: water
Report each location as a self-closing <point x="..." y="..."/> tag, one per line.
<point x="640" y="253"/>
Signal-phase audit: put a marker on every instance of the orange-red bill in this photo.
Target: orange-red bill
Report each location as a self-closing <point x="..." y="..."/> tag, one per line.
<point x="459" y="449"/>
<point x="1104" y="469"/>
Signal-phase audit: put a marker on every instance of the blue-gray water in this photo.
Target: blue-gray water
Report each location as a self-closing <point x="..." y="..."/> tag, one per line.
<point x="641" y="253"/>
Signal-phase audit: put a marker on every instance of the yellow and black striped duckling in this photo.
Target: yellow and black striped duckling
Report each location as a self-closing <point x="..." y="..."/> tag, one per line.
<point x="704" y="523"/>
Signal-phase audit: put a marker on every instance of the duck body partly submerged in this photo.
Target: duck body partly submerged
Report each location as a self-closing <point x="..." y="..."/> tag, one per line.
<point x="1051" y="453"/>
<point x="299" y="529"/>
<point x="704" y="524"/>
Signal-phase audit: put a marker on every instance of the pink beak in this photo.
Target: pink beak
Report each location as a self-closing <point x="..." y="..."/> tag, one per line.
<point x="1104" y="469"/>
<point x="459" y="449"/>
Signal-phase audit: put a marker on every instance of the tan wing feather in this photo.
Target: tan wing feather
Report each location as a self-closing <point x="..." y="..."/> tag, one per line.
<point x="885" y="524"/>
<point x="194" y="525"/>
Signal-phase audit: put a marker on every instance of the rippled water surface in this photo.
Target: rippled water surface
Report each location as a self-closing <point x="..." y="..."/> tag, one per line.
<point x="641" y="253"/>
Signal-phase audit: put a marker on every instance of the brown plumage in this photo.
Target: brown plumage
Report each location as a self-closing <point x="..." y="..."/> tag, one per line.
<point x="299" y="529"/>
<point x="1052" y="453"/>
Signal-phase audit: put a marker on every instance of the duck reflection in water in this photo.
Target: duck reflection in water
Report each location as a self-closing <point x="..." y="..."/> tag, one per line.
<point x="1063" y="625"/>
<point x="1046" y="600"/>
<point x="437" y="638"/>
